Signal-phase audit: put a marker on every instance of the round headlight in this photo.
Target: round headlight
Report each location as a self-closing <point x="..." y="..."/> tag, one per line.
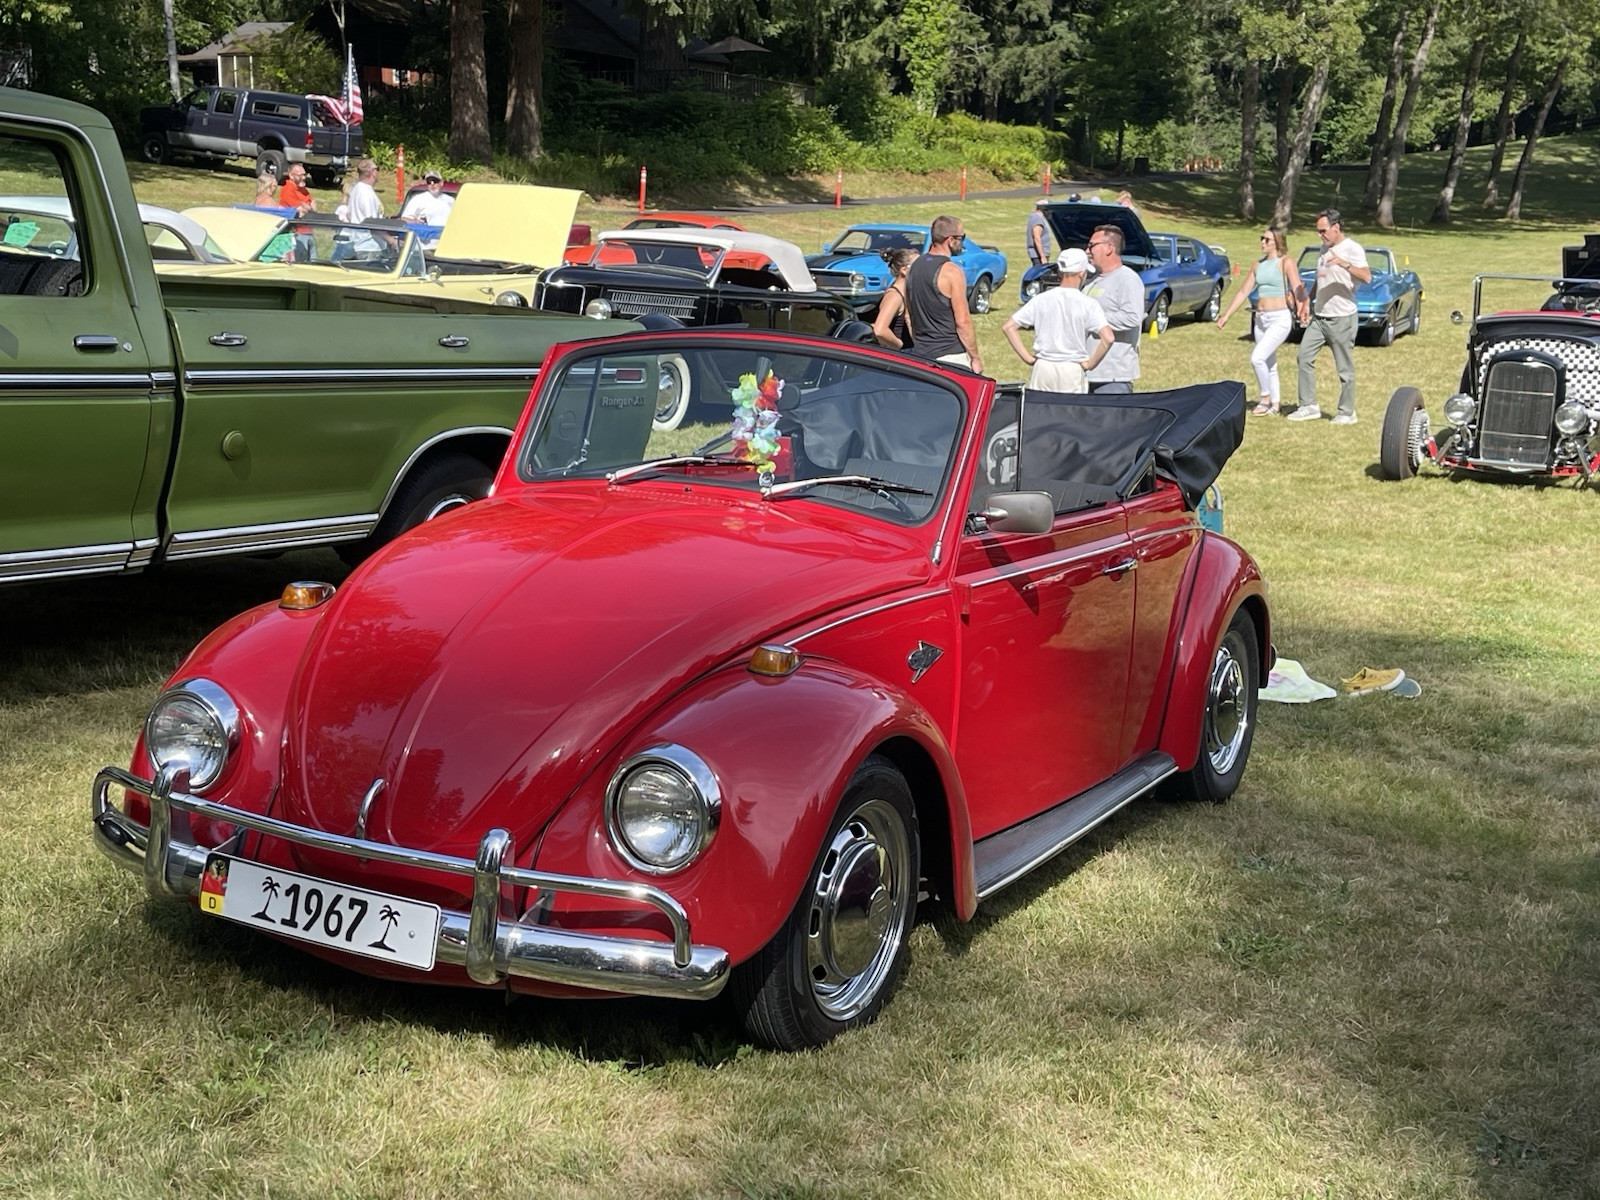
<point x="857" y="281"/>
<point x="1572" y="419"/>
<point x="599" y="308"/>
<point x="1460" y="409"/>
<point x="1032" y="288"/>
<point x="511" y="300"/>
<point x="196" y="725"/>
<point x="662" y="809"/>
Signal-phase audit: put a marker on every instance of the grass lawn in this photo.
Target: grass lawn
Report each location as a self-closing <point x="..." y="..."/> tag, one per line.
<point x="1374" y="973"/>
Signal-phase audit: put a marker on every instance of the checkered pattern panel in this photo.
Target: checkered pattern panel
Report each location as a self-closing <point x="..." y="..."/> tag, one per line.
<point x="1581" y="358"/>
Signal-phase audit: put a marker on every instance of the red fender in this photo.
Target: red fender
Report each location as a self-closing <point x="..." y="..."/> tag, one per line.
<point x="783" y="750"/>
<point x="1224" y="579"/>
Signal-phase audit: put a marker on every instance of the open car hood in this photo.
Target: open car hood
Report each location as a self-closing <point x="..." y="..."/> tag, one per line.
<point x="482" y="665"/>
<point x="509" y="223"/>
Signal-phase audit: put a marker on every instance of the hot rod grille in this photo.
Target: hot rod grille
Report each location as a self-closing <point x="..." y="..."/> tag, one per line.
<point x="633" y="304"/>
<point x="1581" y="359"/>
<point x="1519" y="404"/>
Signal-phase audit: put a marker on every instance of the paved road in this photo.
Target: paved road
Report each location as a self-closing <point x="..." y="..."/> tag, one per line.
<point x="1060" y="189"/>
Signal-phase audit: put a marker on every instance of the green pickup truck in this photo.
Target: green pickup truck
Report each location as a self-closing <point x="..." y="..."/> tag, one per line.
<point x="147" y="421"/>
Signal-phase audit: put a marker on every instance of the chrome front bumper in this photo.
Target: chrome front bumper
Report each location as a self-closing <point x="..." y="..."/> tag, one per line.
<point x="489" y="947"/>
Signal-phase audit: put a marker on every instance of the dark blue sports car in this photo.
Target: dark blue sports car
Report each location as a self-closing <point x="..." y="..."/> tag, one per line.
<point x="1386" y="307"/>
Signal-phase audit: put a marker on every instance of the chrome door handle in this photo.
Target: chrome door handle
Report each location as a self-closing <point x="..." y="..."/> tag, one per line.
<point x="228" y="339"/>
<point x="454" y="341"/>
<point x="1121" y="568"/>
<point x="95" y="341"/>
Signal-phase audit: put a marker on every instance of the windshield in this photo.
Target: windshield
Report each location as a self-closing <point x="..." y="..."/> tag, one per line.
<point x="641" y="254"/>
<point x="767" y="420"/>
<point x="371" y="249"/>
<point x="876" y="241"/>
<point x="38" y="233"/>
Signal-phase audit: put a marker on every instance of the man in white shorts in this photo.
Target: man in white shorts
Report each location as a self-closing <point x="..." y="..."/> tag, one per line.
<point x="1070" y="333"/>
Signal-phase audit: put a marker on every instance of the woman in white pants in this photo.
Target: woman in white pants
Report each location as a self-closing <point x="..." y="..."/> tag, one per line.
<point x="1275" y="282"/>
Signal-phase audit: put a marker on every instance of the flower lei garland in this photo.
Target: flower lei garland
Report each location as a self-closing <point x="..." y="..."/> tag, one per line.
<point x="755" y="421"/>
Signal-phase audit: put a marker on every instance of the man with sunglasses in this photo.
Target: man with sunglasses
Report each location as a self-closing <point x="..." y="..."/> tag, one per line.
<point x="936" y="301"/>
<point x="1330" y="319"/>
<point x="1120" y="292"/>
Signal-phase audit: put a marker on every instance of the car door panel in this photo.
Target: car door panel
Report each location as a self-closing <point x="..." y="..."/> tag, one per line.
<point x="1164" y="539"/>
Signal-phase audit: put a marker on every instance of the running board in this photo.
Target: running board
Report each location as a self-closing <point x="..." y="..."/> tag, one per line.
<point x="1005" y="857"/>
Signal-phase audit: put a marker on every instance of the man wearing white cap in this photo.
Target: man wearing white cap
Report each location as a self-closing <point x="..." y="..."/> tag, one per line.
<point x="1070" y="333"/>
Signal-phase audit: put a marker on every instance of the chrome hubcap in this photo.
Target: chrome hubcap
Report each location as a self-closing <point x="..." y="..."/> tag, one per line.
<point x="859" y="904"/>
<point x="668" y="389"/>
<point x="1227" y="706"/>
<point x="1417" y="436"/>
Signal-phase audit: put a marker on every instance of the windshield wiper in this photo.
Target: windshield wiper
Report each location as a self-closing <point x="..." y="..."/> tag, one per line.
<point x="684" y="460"/>
<point x="876" y="483"/>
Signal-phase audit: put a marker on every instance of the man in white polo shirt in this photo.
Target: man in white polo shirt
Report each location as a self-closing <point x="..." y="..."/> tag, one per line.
<point x="1330" y="319"/>
<point x="1070" y="333"/>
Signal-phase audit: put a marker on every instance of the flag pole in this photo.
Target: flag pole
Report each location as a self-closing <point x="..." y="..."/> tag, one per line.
<point x="349" y="74"/>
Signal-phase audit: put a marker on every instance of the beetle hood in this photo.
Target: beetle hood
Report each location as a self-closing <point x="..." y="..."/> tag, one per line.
<point x="483" y="665"/>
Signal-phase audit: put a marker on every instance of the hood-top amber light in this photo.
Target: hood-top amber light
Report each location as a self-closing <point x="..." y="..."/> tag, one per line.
<point x="306" y="594"/>
<point x="774" y="660"/>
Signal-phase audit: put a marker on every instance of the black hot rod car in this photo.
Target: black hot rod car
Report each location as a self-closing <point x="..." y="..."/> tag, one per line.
<point x="1529" y="400"/>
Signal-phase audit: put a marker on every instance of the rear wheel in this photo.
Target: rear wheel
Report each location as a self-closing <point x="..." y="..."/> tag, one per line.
<point x="980" y="301"/>
<point x="672" y="393"/>
<point x="154" y="148"/>
<point x="447" y="483"/>
<point x="1228" y="722"/>
<point x="272" y="162"/>
<point x="842" y="951"/>
<point x="1405" y="434"/>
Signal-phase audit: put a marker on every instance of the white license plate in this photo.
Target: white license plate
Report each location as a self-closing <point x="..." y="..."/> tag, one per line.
<point x="335" y="915"/>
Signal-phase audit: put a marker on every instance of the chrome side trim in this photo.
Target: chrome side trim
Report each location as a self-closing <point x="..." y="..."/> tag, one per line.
<point x="866" y="612"/>
<point x="1034" y="566"/>
<point x="141" y="381"/>
<point x="72" y="560"/>
<point x="437" y="439"/>
<point x="144" y="549"/>
<point x="278" y="536"/>
<point x="488" y="947"/>
<point x="274" y="375"/>
<point x="163" y="379"/>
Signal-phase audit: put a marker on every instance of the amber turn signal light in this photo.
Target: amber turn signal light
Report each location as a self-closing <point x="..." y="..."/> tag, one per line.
<point x="305" y="594"/>
<point x="774" y="660"/>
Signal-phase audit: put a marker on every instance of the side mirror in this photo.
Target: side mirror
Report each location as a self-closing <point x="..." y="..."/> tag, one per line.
<point x="827" y="247"/>
<point x="1020" y="512"/>
<point x="1456" y="318"/>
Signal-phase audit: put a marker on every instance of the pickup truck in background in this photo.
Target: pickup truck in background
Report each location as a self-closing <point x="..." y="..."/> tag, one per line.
<point x="213" y="124"/>
<point x="149" y="420"/>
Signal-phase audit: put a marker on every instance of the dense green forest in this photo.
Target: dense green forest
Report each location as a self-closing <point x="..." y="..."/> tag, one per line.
<point x="1262" y="87"/>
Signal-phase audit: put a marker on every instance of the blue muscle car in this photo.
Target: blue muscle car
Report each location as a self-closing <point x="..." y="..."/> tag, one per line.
<point x="853" y="265"/>
<point x="1391" y="304"/>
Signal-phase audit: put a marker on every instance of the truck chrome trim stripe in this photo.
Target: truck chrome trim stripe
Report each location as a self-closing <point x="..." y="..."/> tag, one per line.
<point x="71" y="560"/>
<point x="270" y="537"/>
<point x="141" y="381"/>
<point x="278" y="376"/>
<point x="478" y="940"/>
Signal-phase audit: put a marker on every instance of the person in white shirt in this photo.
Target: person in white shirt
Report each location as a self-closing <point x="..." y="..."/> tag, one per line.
<point x="1330" y="319"/>
<point x="431" y="207"/>
<point x="362" y="204"/>
<point x="1071" y="334"/>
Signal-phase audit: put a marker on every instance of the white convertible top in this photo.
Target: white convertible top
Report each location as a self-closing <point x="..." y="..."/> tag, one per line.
<point x="786" y="257"/>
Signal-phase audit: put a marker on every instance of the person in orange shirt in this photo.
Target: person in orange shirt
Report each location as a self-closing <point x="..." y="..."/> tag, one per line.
<point x="294" y="195"/>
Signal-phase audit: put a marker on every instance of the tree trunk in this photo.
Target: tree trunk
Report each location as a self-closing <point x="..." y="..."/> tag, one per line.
<point x="469" y="84"/>
<point x="525" y="79"/>
<point x="172" y="49"/>
<point x="1249" y="97"/>
<point x="1502" y="123"/>
<point x="1514" y="205"/>
<point x="1458" y="149"/>
<point x="1281" y="117"/>
<point x="1380" y="134"/>
<point x="1402" y="121"/>
<point x="659" y="46"/>
<point x="1310" y="111"/>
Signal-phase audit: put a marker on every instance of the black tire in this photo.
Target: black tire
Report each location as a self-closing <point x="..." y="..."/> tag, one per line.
<point x="1228" y="723"/>
<point x="448" y="482"/>
<point x="154" y="148"/>
<point x="672" y="393"/>
<point x="272" y="162"/>
<point x="1161" y="314"/>
<point x="1405" y="432"/>
<point x="1387" y="335"/>
<point x="842" y="952"/>
<point x="981" y="300"/>
<point x="1416" y="317"/>
<point x="1212" y="308"/>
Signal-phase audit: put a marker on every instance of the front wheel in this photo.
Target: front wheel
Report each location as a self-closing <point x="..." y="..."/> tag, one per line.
<point x="1405" y="434"/>
<point x="1416" y="317"/>
<point x="1161" y="314"/>
<point x="1228" y="721"/>
<point x="672" y="393"/>
<point x="1213" y="306"/>
<point x="982" y="292"/>
<point x="154" y="148"/>
<point x="842" y="951"/>
<point x="1389" y="332"/>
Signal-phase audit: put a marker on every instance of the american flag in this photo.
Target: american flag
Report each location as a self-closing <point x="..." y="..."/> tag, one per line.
<point x="348" y="110"/>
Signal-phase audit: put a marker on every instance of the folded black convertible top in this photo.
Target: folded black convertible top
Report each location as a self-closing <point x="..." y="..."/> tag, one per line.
<point x="1188" y="433"/>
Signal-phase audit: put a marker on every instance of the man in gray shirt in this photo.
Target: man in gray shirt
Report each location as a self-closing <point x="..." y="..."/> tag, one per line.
<point x="1330" y="319"/>
<point x="1120" y="292"/>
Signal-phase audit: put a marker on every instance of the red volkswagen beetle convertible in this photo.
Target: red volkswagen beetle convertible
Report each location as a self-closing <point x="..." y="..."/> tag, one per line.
<point x="658" y="717"/>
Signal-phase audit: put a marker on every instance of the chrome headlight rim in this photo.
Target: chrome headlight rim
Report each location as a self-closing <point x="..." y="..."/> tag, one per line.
<point x="858" y="281"/>
<point x="599" y="308"/>
<point x="693" y="770"/>
<point x="218" y="707"/>
<point x="511" y="299"/>
<point x="1572" y="419"/>
<point x="1460" y="409"/>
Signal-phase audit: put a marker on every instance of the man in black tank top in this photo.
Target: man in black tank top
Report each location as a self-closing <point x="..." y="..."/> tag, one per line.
<point x="936" y="301"/>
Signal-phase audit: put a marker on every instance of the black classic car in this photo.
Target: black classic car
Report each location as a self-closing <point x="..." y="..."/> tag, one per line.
<point x="698" y="277"/>
<point x="1529" y="399"/>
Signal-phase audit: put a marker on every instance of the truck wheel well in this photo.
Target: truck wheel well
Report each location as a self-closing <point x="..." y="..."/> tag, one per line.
<point x="271" y="143"/>
<point x="933" y="812"/>
<point x="487" y="447"/>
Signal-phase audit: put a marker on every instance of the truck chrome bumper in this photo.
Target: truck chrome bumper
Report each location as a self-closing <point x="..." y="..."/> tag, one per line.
<point x="488" y="947"/>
